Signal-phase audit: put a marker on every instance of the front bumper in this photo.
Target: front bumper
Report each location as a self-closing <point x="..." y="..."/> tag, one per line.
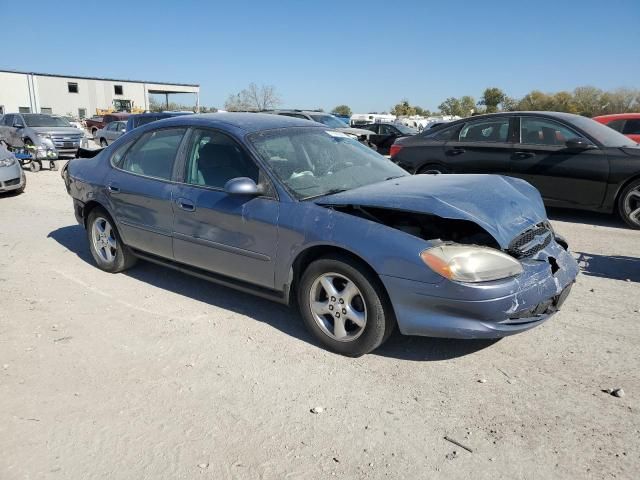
<point x="489" y="309"/>
<point x="12" y="179"/>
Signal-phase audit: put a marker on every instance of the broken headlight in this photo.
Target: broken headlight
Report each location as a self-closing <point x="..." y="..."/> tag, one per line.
<point x="468" y="263"/>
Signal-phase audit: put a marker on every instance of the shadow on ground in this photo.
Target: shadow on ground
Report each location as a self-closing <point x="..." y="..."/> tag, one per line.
<point x="614" y="267"/>
<point x="278" y="316"/>
<point x="587" y="218"/>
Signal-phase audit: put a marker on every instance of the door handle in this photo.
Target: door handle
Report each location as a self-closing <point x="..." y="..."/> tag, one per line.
<point x="186" y="205"/>
<point x="113" y="188"/>
<point x="455" y="151"/>
<point x="523" y="155"/>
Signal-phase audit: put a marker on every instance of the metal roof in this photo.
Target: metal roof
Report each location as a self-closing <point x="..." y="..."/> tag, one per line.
<point x="100" y="78"/>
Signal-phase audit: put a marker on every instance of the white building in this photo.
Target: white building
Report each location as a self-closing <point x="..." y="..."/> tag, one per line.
<point x="27" y="92"/>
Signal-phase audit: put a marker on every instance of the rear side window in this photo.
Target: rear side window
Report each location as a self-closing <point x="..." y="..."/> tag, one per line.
<point x="442" y="134"/>
<point x="153" y="155"/>
<point x="490" y="130"/>
<point x="616" y="125"/>
<point x="542" y="131"/>
<point x="632" y="127"/>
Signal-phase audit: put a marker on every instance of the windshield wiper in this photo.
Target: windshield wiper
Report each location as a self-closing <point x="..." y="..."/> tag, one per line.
<point x="328" y="192"/>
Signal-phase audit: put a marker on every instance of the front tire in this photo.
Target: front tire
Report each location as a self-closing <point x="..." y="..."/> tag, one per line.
<point x="432" y="170"/>
<point x="103" y="143"/>
<point x="107" y="248"/>
<point x="629" y="204"/>
<point x="345" y="306"/>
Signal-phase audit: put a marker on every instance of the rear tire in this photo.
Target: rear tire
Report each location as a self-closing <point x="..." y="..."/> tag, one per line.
<point x="35" y="166"/>
<point x="629" y="204"/>
<point x="107" y="248"/>
<point x="53" y="166"/>
<point x="344" y="305"/>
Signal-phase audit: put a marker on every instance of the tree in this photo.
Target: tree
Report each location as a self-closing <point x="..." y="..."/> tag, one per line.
<point x="343" y="110"/>
<point x="403" y="109"/>
<point x="491" y="98"/>
<point x="462" y="107"/>
<point x="253" y="98"/>
<point x="423" y="112"/>
<point x="588" y="100"/>
<point x="620" y="100"/>
<point x="535" y="100"/>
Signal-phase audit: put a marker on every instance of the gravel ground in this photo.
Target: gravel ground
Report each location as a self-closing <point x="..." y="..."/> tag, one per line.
<point x="154" y="374"/>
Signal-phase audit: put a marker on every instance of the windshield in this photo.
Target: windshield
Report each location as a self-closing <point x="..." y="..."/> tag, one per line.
<point x="330" y="121"/>
<point x="607" y="136"/>
<point x="39" y="120"/>
<point x="405" y="130"/>
<point x="313" y="161"/>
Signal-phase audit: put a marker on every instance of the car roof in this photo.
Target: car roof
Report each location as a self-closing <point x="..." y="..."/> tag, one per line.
<point x="248" y="122"/>
<point x="620" y="116"/>
<point x="487" y="116"/>
<point x="160" y="114"/>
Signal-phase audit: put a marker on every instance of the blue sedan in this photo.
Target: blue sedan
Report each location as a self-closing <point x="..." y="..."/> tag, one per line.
<point x="299" y="213"/>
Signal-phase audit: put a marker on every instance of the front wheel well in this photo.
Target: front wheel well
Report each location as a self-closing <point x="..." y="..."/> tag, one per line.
<point x="311" y="254"/>
<point x="621" y="189"/>
<point x="88" y="207"/>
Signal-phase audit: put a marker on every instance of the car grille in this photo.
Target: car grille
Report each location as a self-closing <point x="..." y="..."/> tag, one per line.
<point x="14" y="181"/>
<point x="531" y="241"/>
<point x="66" y="141"/>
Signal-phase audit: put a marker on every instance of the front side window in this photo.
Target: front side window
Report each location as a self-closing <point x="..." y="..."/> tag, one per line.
<point x="214" y="158"/>
<point x="314" y="161"/>
<point x="632" y="127"/>
<point x="541" y="131"/>
<point x="329" y="120"/>
<point x="442" y="134"/>
<point x="488" y="130"/>
<point x="153" y="155"/>
<point x="72" y="87"/>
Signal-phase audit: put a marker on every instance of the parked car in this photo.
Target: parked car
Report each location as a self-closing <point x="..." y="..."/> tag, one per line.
<point x="12" y="177"/>
<point x="626" y="123"/>
<point x="110" y="133"/>
<point x="575" y="162"/>
<point x="75" y="123"/>
<point x="97" y="122"/>
<point x="330" y="121"/>
<point x="384" y="134"/>
<point x="135" y="121"/>
<point x="47" y="136"/>
<point x="285" y="208"/>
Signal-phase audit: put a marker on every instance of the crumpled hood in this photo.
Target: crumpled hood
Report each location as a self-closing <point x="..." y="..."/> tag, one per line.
<point x="503" y="206"/>
<point x="356" y="131"/>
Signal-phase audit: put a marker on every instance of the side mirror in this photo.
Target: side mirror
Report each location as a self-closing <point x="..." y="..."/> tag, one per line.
<point x="242" y="186"/>
<point x="579" y="143"/>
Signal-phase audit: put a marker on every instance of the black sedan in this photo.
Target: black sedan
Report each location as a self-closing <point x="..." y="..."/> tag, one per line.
<point x="384" y="134"/>
<point x="574" y="162"/>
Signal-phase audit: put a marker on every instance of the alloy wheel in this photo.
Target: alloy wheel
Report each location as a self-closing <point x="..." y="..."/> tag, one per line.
<point x="104" y="240"/>
<point x="631" y="205"/>
<point x="338" y="307"/>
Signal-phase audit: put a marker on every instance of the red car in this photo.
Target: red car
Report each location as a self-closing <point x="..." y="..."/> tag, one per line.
<point x="626" y="123"/>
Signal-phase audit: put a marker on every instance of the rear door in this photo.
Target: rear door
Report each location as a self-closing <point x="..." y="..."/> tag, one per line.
<point x="481" y="146"/>
<point x="140" y="188"/>
<point x="231" y="235"/>
<point x="564" y="177"/>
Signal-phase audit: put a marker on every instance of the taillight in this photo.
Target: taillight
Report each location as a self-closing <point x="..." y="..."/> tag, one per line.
<point x="394" y="150"/>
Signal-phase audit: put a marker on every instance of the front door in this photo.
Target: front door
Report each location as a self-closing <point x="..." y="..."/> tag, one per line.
<point x="482" y="146"/>
<point x="232" y="235"/>
<point x="564" y="177"/>
<point x="141" y="190"/>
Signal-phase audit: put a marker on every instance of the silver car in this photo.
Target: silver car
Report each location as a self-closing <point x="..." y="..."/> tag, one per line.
<point x="12" y="177"/>
<point x="47" y="135"/>
<point x="110" y="133"/>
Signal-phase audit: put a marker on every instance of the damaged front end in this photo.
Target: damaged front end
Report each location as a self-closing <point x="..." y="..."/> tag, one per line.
<point x="476" y="309"/>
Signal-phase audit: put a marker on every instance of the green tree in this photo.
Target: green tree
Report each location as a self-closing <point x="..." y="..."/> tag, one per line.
<point x="491" y="98"/>
<point x="535" y="100"/>
<point x="563" y="102"/>
<point x="423" y="112"/>
<point x="403" y="109"/>
<point x="467" y="106"/>
<point x="588" y="100"/>
<point x="451" y="106"/>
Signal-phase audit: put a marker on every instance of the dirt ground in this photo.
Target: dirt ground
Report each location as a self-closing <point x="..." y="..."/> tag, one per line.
<point x="152" y="374"/>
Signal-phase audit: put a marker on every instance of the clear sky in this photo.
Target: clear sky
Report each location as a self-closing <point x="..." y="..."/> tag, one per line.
<point x="368" y="55"/>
